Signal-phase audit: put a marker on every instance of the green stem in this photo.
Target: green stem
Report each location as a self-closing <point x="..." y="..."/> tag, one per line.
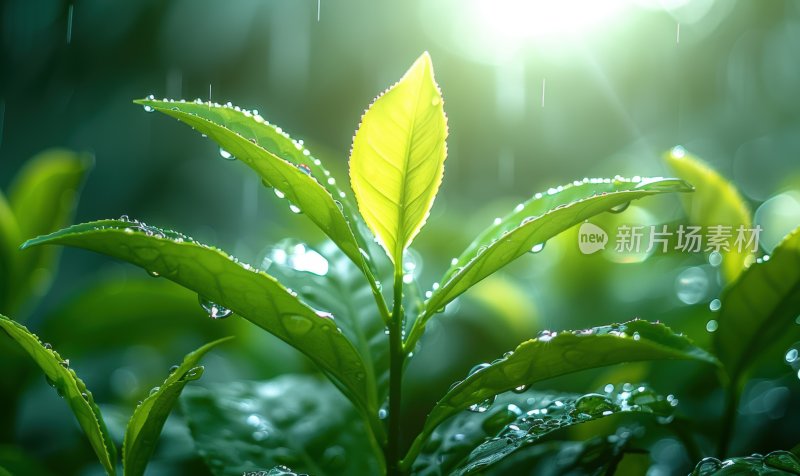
<point x="728" y="417"/>
<point x="396" y="356"/>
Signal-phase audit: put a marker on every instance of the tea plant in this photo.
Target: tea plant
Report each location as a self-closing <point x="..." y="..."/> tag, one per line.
<point x="361" y="334"/>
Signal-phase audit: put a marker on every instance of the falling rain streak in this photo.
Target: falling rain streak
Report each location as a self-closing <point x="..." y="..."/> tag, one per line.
<point x="678" y="35"/>
<point x="2" y="119"/>
<point x="69" y="24"/>
<point x="319" y="7"/>
<point x="543" y="90"/>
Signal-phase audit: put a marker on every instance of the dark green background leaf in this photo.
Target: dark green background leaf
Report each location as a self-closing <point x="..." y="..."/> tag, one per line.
<point x="297" y="421"/>
<point x="43" y="198"/>
<point x="760" y="307"/>
<point x="340" y="291"/>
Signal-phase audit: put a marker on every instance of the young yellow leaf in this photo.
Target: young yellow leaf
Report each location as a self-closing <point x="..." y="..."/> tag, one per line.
<point x="716" y="202"/>
<point x="397" y="160"/>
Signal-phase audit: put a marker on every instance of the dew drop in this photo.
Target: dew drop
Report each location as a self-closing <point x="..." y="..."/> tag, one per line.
<point x="594" y="404"/>
<point x="214" y="310"/>
<point x="712" y="325"/>
<point x="715" y="258"/>
<point x="608" y="388"/>
<point x="520" y="389"/>
<point x="154" y="390"/>
<point x="225" y="154"/>
<point x="691" y="285"/>
<point x="537" y="248"/>
<point x="173" y="369"/>
<point x="478" y="368"/>
<point x="304" y="168"/>
<point x="148" y="108"/>
<point x="792" y="356"/>
<point x="678" y="152"/>
<point x="619" y="208"/>
<point x="483" y="406"/>
<point x="715" y="305"/>
<point x="435" y="101"/>
<point x="297" y="324"/>
<point x="279" y="194"/>
<point x="294" y="209"/>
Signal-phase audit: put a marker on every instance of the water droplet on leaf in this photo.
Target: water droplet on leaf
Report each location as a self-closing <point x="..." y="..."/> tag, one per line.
<point x="483" y="406"/>
<point x="297" y="324"/>
<point x="214" y="310"/>
<point x="225" y="154"/>
<point x="619" y="208"/>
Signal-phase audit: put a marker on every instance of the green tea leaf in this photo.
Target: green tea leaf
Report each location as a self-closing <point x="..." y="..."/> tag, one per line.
<point x="43" y="198"/>
<point x="716" y="201"/>
<point x="476" y="440"/>
<point x="553" y="413"/>
<point x="293" y="420"/>
<point x="237" y="286"/>
<point x="9" y="243"/>
<point x="341" y="291"/>
<point x="777" y="463"/>
<point x="397" y="161"/>
<point x="554" y="354"/>
<point x="533" y="223"/>
<point x="759" y="307"/>
<point x="149" y="417"/>
<point x="70" y="387"/>
<point x="282" y="163"/>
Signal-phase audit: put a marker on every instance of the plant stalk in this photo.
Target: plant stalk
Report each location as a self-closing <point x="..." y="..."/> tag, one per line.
<point x="397" y="356"/>
<point x="728" y="418"/>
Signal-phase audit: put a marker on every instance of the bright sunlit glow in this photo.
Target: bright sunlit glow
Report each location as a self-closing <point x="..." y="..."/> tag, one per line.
<point x="523" y="19"/>
<point x="502" y="31"/>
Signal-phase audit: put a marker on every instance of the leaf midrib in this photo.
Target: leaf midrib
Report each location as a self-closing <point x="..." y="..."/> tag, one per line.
<point x="400" y="241"/>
